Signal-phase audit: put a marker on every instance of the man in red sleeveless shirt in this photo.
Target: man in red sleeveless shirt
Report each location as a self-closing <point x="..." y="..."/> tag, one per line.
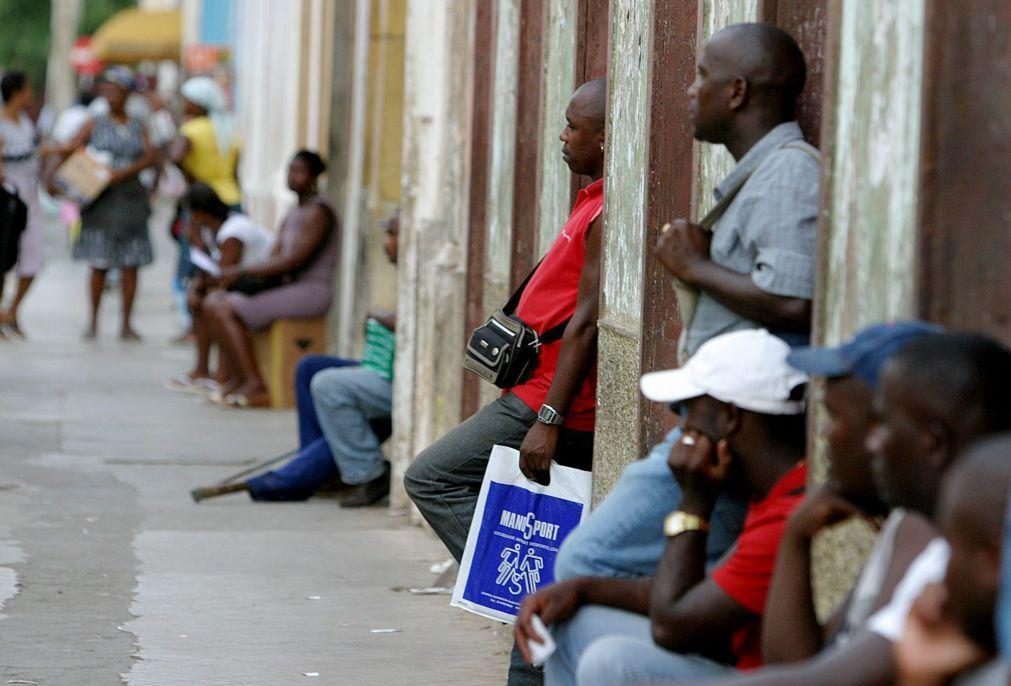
<point x="551" y="416"/>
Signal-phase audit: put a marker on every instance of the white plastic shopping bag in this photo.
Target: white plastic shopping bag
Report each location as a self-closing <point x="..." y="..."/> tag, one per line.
<point x="515" y="534"/>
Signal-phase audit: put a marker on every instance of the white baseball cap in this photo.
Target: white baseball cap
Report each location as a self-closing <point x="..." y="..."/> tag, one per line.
<point x="746" y="368"/>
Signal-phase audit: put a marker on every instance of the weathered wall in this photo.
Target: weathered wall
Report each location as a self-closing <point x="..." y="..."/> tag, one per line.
<point x="868" y="237"/>
<point x="617" y="433"/>
<point x="289" y="112"/>
<point x="965" y="207"/>
<point x="371" y="173"/>
<point x="631" y="161"/>
<point x="498" y="242"/>
<point x="559" y="80"/>
<point x="385" y="140"/>
<point x="433" y="239"/>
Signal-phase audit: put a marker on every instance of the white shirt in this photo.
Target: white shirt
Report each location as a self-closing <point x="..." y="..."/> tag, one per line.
<point x="70" y="122"/>
<point x="929" y="567"/>
<point x="257" y="241"/>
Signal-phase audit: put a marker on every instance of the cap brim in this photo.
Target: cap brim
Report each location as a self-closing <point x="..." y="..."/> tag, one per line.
<point x="669" y="386"/>
<point x="819" y="362"/>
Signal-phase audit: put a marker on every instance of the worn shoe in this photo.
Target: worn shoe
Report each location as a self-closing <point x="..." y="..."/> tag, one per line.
<point x="370" y="492"/>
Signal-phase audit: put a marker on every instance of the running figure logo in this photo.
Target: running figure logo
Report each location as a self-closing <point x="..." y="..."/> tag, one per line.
<point x="520" y="572"/>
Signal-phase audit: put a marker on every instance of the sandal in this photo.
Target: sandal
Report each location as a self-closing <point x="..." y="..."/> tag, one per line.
<point x="218" y="398"/>
<point x="184" y="383"/>
<point x="243" y="401"/>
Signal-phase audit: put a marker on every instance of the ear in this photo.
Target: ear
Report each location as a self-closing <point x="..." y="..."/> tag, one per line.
<point x="731" y="417"/>
<point x="992" y="556"/>
<point x="739" y="91"/>
<point x="720" y="470"/>
<point x="939" y="443"/>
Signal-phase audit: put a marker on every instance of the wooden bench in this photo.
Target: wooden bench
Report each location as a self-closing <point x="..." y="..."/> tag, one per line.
<point x="278" y="350"/>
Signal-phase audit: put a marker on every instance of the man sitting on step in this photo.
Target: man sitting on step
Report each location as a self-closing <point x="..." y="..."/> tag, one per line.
<point x="344" y="410"/>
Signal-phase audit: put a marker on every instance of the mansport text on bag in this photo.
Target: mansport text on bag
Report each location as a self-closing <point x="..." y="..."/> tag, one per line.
<point x="515" y="534"/>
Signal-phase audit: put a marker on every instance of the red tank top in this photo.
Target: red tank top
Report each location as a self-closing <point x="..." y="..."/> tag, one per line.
<point x="550" y="299"/>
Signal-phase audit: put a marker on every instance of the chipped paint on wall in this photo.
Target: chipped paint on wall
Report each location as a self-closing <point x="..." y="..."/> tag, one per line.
<point x="559" y="75"/>
<point x="620" y="326"/>
<point x="626" y="163"/>
<point x="432" y="265"/>
<point x="871" y="226"/>
<point x="870" y="217"/>
<point x="498" y="246"/>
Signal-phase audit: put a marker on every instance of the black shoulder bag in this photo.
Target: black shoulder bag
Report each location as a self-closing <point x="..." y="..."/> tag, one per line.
<point x="13" y="219"/>
<point x="504" y="350"/>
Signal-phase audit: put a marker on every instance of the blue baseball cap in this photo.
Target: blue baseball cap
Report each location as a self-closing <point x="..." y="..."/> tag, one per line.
<point x="863" y="355"/>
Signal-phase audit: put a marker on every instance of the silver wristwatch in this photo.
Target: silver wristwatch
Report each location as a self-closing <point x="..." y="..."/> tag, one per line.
<point x="549" y="415"/>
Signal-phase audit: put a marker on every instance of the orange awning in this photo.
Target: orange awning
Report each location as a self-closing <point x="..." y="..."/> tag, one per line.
<point x="133" y="35"/>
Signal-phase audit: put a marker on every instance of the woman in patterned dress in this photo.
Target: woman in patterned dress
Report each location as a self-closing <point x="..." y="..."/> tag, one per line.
<point x="21" y="153"/>
<point x="114" y="232"/>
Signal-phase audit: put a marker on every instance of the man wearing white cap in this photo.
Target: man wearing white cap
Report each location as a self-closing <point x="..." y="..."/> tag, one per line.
<point x="742" y="416"/>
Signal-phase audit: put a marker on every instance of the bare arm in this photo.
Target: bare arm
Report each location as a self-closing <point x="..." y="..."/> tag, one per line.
<point x="313" y="231"/>
<point x="560" y="601"/>
<point x="866" y="660"/>
<point x="577" y="355"/>
<point x="689" y="612"/>
<point x="791" y="631"/>
<point x="740" y="294"/>
<point x="146" y="159"/>
<point x="60" y="156"/>
<point x="684" y="250"/>
<point x="179" y="149"/>
<point x="231" y="252"/>
<point x="387" y="319"/>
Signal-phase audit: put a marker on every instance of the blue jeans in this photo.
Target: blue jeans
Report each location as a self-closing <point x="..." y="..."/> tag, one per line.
<point x="180" y="281"/>
<point x="314" y="465"/>
<point x="618" y="660"/>
<point x="1003" y="618"/>
<point x="623" y="536"/>
<point x="346" y="401"/>
<point x="602" y="645"/>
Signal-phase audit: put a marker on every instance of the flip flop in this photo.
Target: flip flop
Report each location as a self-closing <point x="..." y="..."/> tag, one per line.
<point x="184" y="383"/>
<point x="218" y="398"/>
<point x="244" y="402"/>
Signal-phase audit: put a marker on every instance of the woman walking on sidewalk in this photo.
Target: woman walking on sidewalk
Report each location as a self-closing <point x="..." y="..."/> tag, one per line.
<point x="21" y="170"/>
<point x="114" y="233"/>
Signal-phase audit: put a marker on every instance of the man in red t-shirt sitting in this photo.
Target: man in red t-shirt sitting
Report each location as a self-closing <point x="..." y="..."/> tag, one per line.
<point x="742" y="415"/>
<point x="550" y="416"/>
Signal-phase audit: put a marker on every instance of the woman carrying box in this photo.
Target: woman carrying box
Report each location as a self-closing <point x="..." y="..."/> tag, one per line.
<point x="114" y="233"/>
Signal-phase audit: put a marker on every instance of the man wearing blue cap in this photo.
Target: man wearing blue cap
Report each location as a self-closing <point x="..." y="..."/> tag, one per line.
<point x="937" y="395"/>
<point x="792" y="631"/>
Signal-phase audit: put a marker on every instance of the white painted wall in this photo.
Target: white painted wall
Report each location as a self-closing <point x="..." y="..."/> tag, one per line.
<point x="433" y="235"/>
<point x="559" y="74"/>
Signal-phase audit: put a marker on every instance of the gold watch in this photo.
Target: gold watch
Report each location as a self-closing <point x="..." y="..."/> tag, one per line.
<point x="678" y="522"/>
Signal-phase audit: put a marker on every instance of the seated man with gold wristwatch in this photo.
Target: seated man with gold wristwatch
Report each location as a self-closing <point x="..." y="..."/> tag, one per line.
<point x="742" y="416"/>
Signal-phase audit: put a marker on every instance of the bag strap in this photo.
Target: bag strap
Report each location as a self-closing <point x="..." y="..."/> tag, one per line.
<point x="552" y="334"/>
<point x="708" y="221"/>
<point x="514" y="299"/>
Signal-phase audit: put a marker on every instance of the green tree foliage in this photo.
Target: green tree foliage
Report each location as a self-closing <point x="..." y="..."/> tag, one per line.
<point x="24" y="32"/>
<point x="24" y="38"/>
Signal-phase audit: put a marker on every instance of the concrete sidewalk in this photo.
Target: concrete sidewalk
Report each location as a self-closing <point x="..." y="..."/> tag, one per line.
<point x="112" y="575"/>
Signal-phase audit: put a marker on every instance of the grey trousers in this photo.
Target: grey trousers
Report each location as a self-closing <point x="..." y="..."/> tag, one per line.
<point x="444" y="480"/>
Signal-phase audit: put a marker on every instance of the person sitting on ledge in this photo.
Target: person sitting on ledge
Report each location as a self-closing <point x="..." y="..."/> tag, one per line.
<point x="234" y="240"/>
<point x="743" y="430"/>
<point x="295" y="282"/>
<point x="344" y="410"/>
